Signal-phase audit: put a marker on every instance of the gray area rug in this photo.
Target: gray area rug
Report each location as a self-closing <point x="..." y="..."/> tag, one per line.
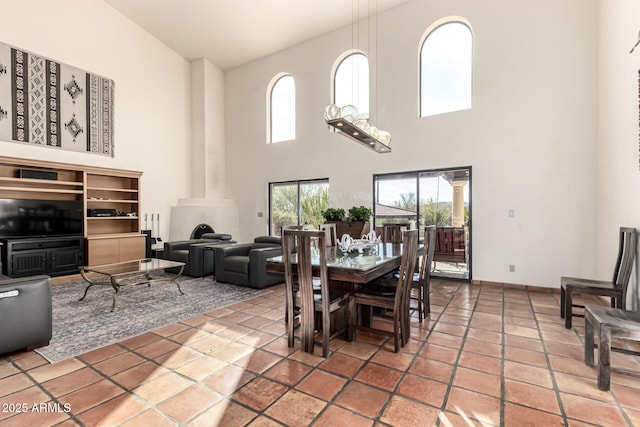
<point x="82" y="326"/>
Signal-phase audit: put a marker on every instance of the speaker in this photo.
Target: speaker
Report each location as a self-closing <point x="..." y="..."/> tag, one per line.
<point x="37" y="174"/>
<point x="147" y="243"/>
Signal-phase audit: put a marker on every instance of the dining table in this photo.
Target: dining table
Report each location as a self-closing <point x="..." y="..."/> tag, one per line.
<point x="356" y="267"/>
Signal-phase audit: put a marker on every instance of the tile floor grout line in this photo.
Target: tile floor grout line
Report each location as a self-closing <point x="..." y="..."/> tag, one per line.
<point x="554" y="382"/>
<point x="445" y="398"/>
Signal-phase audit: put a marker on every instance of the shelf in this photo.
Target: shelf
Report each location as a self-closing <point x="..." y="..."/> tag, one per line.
<point x="41" y="190"/>
<point x="102" y="218"/>
<point x="90" y="200"/>
<point x="122" y="190"/>
<point x="41" y="181"/>
<point x="113" y="236"/>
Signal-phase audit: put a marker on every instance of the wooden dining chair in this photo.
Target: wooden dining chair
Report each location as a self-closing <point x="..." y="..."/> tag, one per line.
<point x="394" y="299"/>
<point x="422" y="279"/>
<point x="331" y="237"/>
<point x="304" y="303"/>
<point x="616" y="289"/>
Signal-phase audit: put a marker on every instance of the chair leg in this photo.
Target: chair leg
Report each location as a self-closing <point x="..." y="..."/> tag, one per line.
<point x="427" y="300"/>
<point x="562" y="291"/>
<point x="326" y="334"/>
<point x="396" y="332"/>
<point x="349" y="319"/>
<point x="290" y="318"/>
<point x="568" y="307"/>
<point x="353" y="319"/>
<point x="420" y="312"/>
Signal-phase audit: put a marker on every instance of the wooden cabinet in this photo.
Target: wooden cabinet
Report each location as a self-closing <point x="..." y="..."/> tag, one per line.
<point x="109" y="238"/>
<point x="115" y="248"/>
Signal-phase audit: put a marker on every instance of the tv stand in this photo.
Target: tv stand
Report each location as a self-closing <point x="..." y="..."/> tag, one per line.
<point x="53" y="256"/>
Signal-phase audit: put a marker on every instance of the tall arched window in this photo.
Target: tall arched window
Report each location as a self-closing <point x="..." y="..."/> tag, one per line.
<point x="446" y="69"/>
<point x="351" y="83"/>
<point x="282" y="109"/>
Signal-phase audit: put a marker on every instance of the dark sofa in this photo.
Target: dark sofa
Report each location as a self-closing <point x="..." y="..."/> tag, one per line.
<point x="245" y="263"/>
<point x="25" y="313"/>
<point x="192" y="252"/>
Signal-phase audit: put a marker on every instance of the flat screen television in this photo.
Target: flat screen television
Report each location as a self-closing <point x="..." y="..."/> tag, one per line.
<point x="21" y="218"/>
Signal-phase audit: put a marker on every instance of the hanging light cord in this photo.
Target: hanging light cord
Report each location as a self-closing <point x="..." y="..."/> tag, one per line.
<point x="635" y="45"/>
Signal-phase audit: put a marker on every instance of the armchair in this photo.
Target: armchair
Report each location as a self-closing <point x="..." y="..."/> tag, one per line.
<point x="192" y="253"/>
<point x="245" y="263"/>
<point x="25" y="313"/>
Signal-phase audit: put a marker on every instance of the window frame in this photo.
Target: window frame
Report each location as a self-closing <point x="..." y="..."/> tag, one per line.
<point x="336" y="67"/>
<point x="417" y="174"/>
<point x="270" y="90"/>
<point x="298" y="184"/>
<point x="428" y="32"/>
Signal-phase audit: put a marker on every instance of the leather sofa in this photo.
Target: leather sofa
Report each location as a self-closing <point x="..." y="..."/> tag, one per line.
<point x="25" y="313"/>
<point x="192" y="252"/>
<point x="245" y="263"/>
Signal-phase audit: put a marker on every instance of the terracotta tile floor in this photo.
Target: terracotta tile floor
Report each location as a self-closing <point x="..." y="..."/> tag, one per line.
<point x="488" y="355"/>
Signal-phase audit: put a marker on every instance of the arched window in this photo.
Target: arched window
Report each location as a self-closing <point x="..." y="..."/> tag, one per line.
<point x="282" y="109"/>
<point x="351" y="83"/>
<point x="446" y="69"/>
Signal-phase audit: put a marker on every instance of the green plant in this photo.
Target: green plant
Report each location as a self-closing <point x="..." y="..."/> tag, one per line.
<point x="360" y="213"/>
<point x="333" y="214"/>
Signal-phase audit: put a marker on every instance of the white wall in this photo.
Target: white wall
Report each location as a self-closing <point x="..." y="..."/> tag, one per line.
<point x="618" y="161"/>
<point x="530" y="137"/>
<point x="152" y="90"/>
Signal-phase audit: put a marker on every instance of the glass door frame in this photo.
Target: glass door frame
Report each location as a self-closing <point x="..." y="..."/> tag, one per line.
<point x="416" y="174"/>
<point x="297" y="183"/>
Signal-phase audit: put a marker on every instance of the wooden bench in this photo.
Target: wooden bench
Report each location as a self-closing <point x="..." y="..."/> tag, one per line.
<point x="608" y="321"/>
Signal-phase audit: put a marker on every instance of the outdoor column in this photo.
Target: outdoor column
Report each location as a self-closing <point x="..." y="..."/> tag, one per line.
<point x="457" y="219"/>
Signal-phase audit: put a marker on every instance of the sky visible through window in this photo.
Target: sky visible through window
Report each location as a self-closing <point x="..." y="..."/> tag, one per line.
<point x="283" y="110"/>
<point x="436" y="188"/>
<point x="352" y="83"/>
<point x="445" y="70"/>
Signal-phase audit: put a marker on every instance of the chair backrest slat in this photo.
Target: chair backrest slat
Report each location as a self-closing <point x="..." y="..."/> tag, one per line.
<point x="331" y="237"/>
<point x="627" y="250"/>
<point x="407" y="267"/>
<point x="428" y="253"/>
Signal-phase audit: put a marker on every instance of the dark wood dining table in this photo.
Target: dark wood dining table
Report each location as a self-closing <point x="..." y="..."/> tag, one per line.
<point x="353" y="267"/>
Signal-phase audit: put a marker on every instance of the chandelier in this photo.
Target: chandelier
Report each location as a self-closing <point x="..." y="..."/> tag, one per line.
<point x="346" y="121"/>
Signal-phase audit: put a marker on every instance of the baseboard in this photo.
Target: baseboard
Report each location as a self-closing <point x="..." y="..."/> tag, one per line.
<point x="516" y="286"/>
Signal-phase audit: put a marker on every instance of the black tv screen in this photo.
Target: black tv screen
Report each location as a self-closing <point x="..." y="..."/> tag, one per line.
<point x="40" y="218"/>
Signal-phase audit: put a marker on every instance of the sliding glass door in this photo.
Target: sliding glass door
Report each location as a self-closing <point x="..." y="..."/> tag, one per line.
<point x="296" y="203"/>
<point x="439" y="197"/>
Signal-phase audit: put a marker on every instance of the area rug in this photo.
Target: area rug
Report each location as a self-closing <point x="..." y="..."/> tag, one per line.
<point x="82" y="326"/>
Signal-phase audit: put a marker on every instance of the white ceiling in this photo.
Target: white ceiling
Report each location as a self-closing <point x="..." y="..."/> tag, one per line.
<point x="233" y="32"/>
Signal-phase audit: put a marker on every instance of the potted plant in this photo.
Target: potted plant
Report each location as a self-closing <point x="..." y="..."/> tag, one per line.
<point x="360" y="213"/>
<point x="333" y="214"/>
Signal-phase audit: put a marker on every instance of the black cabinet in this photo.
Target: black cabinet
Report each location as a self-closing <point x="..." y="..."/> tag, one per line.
<point x="51" y="256"/>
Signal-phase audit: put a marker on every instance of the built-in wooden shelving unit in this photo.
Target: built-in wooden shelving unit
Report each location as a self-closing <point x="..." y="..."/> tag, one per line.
<point x="107" y="238"/>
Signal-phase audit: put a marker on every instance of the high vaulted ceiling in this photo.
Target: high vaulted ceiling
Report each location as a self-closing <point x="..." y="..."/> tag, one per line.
<point x="233" y="32"/>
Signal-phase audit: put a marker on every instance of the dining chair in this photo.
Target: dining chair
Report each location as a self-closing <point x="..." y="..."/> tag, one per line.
<point x="331" y="237"/>
<point x="392" y="233"/>
<point x="388" y="298"/>
<point x="307" y="298"/>
<point x="422" y="279"/>
<point x="616" y="289"/>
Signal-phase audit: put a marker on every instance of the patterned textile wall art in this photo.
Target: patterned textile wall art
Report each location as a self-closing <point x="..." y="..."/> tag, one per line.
<point x="43" y="102"/>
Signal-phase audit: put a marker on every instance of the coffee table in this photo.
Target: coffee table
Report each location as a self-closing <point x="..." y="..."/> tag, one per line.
<point x="129" y="273"/>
